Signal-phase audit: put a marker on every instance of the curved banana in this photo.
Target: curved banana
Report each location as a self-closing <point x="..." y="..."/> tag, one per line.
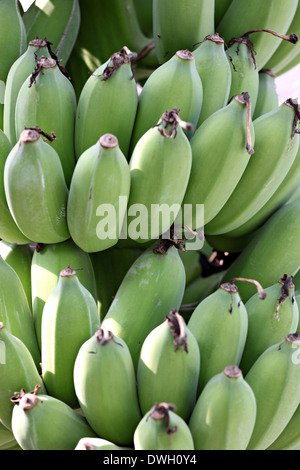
<point x="169" y="366"/>
<point x="221" y="6"/>
<point x="267" y="98"/>
<point x="289" y="438"/>
<point x="217" y="168"/>
<point x="265" y="171"/>
<point x="224" y="415"/>
<point x="98" y="196"/>
<point x="18" y="370"/>
<point x="275" y="381"/>
<point x="105" y="384"/>
<point x="160" y="167"/>
<point x="96" y="443"/>
<point x="49" y="89"/>
<point x="63" y="331"/>
<point x="192" y="265"/>
<point x="175" y="84"/>
<point x="269" y="321"/>
<point x="42" y="422"/>
<point x="7" y="439"/>
<point x="47" y="263"/>
<point x="36" y="189"/>
<point x="226" y="243"/>
<point x="293" y="63"/>
<point x="178" y="25"/>
<point x="240" y="18"/>
<point x="153" y="285"/>
<point x="214" y="69"/>
<point x="162" y="429"/>
<point x="144" y="12"/>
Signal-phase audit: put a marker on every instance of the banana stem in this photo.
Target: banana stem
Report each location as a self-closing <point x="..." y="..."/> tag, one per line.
<point x="293" y="103"/>
<point x="293" y="38"/>
<point x="177" y="327"/>
<point x="160" y="411"/>
<point x="244" y="98"/>
<point x="287" y="284"/>
<point x="262" y="294"/>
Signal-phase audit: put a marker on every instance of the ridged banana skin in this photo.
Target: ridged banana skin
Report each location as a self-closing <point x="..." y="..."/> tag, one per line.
<point x="100" y="369"/>
<point x="264" y="327"/>
<point x="53" y="92"/>
<point x="36" y="190"/>
<point x="289" y="65"/>
<point x="101" y="178"/>
<point x="271" y="252"/>
<point x="267" y="169"/>
<point x="106" y="106"/>
<point x="221" y="6"/>
<point x="219" y="324"/>
<point x="160" y="169"/>
<point x="217" y="169"/>
<point x="58" y="21"/>
<point x="240" y="18"/>
<point x="178" y="25"/>
<point x="152" y="434"/>
<point x="63" y="331"/>
<point x="275" y="381"/>
<point x="167" y="373"/>
<point x="9" y="231"/>
<point x="224" y="415"/>
<point x="18" y="370"/>
<point x="267" y="98"/>
<point x="49" y="425"/>
<point x="289" y="438"/>
<point x="47" y="263"/>
<point x="15" y="312"/>
<point x="176" y="83"/>
<point x="96" y="443"/>
<point x="214" y="70"/>
<point x="153" y="285"/>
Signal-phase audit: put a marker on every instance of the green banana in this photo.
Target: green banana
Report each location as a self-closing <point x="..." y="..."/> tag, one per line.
<point x="226" y="162"/>
<point x="107" y="104"/>
<point x="48" y="88"/>
<point x="47" y="263"/>
<point x="178" y="25"/>
<point x="275" y="381"/>
<point x="9" y="231"/>
<point x="96" y="443"/>
<point x="6" y="437"/>
<point x="17" y="369"/>
<point x="221" y="6"/>
<point x="267" y="98"/>
<point x="15" y="312"/>
<point x="226" y="243"/>
<point x="162" y="429"/>
<point x="18" y="73"/>
<point x="271" y="252"/>
<point x="289" y="438"/>
<point x="160" y="167"/>
<point x="269" y="321"/>
<point x="169" y="366"/>
<point x="104" y="364"/>
<point x="98" y="196"/>
<point x="144" y="12"/>
<point x="266" y="170"/>
<point x="63" y="331"/>
<point x="192" y="265"/>
<point x="36" y="189"/>
<point x="214" y="69"/>
<point x="42" y="422"/>
<point x="224" y="415"/>
<point x="241" y="17"/>
<point x="153" y="285"/>
<point x="176" y="83"/>
<point x="59" y="21"/>
<point x="293" y="63"/>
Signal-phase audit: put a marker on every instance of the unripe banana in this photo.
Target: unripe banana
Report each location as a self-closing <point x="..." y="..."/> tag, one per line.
<point x="269" y="321"/>
<point x="36" y="190"/>
<point x="9" y="231"/>
<point x="162" y="429"/>
<point x="226" y="243"/>
<point x="47" y="263"/>
<point x="48" y="88"/>
<point x="42" y="422"/>
<point x="15" y="312"/>
<point x="98" y="196"/>
<point x="226" y="162"/>
<point x="105" y="384"/>
<point x="293" y="63"/>
<point x="70" y="317"/>
<point x="275" y="381"/>
<point x="153" y="285"/>
<point x="221" y="7"/>
<point x="215" y="73"/>
<point x="6" y="437"/>
<point x="267" y="97"/>
<point x="169" y="366"/>
<point x="265" y="172"/>
<point x="178" y="25"/>
<point x="289" y="438"/>
<point x="160" y="167"/>
<point x="107" y="104"/>
<point x="192" y="265"/>
<point x="224" y="415"/>
<point x="144" y="12"/>
<point x="176" y="83"/>
<point x="17" y="369"/>
<point x="96" y="443"/>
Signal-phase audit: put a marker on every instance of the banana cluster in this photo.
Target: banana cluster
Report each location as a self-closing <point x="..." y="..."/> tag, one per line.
<point x="149" y="226"/>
